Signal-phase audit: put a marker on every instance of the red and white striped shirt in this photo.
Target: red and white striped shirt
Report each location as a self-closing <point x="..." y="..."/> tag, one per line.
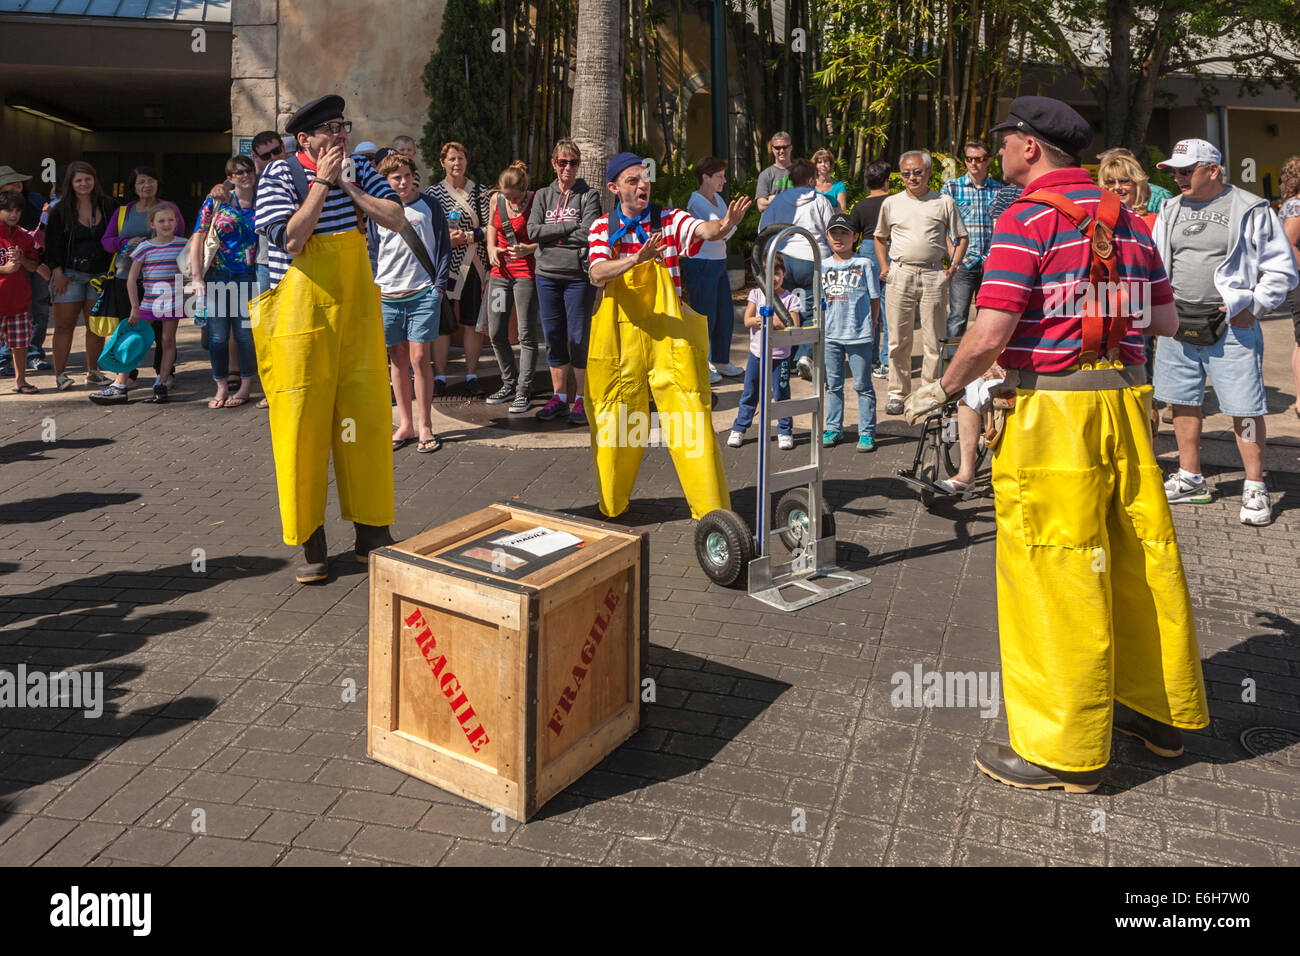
<point x="679" y="240"/>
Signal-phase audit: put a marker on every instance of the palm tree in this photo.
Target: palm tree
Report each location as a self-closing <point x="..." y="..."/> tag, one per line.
<point x="597" y="89"/>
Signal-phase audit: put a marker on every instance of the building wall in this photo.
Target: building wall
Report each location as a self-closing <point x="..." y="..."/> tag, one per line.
<point x="288" y="52"/>
<point x="1269" y="137"/>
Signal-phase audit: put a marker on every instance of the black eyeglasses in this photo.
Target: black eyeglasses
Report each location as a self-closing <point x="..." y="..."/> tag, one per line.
<point x="335" y="128"/>
<point x="776" y="146"/>
<point x="242" y="171"/>
<point x="266" y="157"/>
<point x="912" y="173"/>
<point x="567" y="162"/>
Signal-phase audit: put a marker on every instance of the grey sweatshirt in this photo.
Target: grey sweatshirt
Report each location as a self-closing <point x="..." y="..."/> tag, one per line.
<point x="560" y="230"/>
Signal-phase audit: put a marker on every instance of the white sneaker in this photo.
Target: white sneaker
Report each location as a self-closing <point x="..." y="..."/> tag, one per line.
<point x="735" y="439"/>
<point x="1256" y="508"/>
<point x="730" y="371"/>
<point x="1179" y="490"/>
<point x="714" y="377"/>
<point x="785" y="442"/>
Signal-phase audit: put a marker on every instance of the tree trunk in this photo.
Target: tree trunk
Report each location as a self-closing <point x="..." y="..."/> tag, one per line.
<point x="596" y="88"/>
<point x="1116" y="95"/>
<point x="643" y="116"/>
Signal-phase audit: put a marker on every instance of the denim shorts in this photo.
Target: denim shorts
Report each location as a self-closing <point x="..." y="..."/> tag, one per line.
<point x="412" y="320"/>
<point x="1234" y="366"/>
<point x="78" y="289"/>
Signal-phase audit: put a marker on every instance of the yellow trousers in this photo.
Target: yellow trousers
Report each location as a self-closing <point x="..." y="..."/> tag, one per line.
<point x="319" y="336"/>
<point x="645" y="341"/>
<point x="1092" y="599"/>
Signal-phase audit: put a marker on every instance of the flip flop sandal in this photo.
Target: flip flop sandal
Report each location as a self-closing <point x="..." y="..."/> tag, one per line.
<point x="263" y="404"/>
<point x="234" y="401"/>
<point x="429" y="445"/>
<point x="215" y="403"/>
<point x="400" y="443"/>
<point x="27" y="388"/>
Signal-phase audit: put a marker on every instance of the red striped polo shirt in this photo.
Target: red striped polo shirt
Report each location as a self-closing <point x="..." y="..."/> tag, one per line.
<point x="1038" y="266"/>
<point x="679" y="240"/>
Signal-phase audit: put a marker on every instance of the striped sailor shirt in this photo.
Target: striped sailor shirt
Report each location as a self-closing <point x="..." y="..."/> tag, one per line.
<point x="1038" y="266"/>
<point x="277" y="201"/>
<point x="679" y="239"/>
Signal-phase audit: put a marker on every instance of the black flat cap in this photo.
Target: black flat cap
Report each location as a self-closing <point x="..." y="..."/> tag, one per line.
<point x="1050" y="120"/>
<point x="314" y="113"/>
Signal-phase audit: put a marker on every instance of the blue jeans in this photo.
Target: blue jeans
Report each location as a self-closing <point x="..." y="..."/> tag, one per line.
<point x="227" y="316"/>
<point x="263" y="277"/>
<point x="565" y="309"/>
<point x="709" y="293"/>
<point x="858" y="356"/>
<point x="965" y="283"/>
<point x="780" y="379"/>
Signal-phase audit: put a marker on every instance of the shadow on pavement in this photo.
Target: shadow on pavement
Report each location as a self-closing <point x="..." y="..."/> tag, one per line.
<point x="701" y="706"/>
<point x="28" y="450"/>
<point x="72" y="625"/>
<point x="31" y="510"/>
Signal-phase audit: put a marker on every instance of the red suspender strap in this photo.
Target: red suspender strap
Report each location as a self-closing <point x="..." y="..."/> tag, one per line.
<point x="1103" y="272"/>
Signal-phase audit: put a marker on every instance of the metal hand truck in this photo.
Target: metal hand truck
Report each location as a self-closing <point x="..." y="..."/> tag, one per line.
<point x="724" y="545"/>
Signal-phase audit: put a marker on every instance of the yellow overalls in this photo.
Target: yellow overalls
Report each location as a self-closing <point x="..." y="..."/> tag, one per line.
<point x="643" y="341"/>
<point x="1093" y="604"/>
<point x="319" y="336"/>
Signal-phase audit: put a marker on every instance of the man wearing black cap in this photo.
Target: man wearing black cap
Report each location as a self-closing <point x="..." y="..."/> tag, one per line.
<point x="320" y="337"/>
<point x="1094" y="616"/>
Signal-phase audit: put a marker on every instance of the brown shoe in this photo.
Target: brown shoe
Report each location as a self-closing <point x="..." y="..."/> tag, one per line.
<point x="369" y="537"/>
<point x="1006" y="766"/>
<point x="315" y="566"/>
<point x="1161" y="739"/>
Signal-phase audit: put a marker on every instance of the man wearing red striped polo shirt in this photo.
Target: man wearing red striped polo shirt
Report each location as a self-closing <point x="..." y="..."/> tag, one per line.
<point x="1094" y="615"/>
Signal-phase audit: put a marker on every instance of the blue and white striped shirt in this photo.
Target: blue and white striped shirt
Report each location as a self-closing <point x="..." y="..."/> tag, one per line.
<point x="277" y="201"/>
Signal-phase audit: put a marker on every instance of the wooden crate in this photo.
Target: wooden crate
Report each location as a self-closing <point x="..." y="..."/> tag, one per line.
<point x="506" y="691"/>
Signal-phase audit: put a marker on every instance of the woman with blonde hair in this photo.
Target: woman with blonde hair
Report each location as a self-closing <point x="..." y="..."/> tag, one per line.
<point x="513" y="283"/>
<point x="563" y="214"/>
<point x="1290" y="214"/>
<point x="826" y="184"/>
<point x="1125" y="177"/>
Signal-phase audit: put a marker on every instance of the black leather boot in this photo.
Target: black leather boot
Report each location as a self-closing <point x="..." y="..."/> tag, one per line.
<point x="369" y="537"/>
<point x="1006" y="766"/>
<point x="315" y="566"/>
<point x="1161" y="739"/>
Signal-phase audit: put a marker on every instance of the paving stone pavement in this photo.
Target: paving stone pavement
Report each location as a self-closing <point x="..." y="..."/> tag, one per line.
<point x="773" y="739"/>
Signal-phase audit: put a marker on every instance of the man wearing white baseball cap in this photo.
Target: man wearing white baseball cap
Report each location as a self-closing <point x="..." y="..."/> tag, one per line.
<point x="1230" y="264"/>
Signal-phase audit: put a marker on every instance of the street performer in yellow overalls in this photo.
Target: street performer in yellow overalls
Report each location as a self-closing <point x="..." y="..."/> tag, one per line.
<point x="320" y="337"/>
<point x="1094" y="616"/>
<point x="645" y="341"/>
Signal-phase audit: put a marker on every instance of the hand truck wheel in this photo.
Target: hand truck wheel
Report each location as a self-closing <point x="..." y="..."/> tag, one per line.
<point x="792" y="518"/>
<point x="724" y="547"/>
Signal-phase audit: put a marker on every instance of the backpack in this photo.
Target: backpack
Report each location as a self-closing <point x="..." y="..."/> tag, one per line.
<point x="1098" y="342"/>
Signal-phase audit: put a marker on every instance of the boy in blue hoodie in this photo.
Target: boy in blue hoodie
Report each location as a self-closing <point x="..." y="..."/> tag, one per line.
<point x="852" y="297"/>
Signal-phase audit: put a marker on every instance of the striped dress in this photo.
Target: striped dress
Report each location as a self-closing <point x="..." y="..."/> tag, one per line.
<point x="459" y="273"/>
<point x="277" y="201"/>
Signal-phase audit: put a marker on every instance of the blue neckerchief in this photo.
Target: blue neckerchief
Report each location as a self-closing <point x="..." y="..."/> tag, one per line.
<point x="625" y="224"/>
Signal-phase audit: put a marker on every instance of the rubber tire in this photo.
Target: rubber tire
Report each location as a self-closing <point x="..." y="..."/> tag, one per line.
<point x="740" y="547"/>
<point x="796" y="499"/>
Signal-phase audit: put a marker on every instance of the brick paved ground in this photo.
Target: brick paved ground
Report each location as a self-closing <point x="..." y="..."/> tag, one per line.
<point x="225" y="689"/>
